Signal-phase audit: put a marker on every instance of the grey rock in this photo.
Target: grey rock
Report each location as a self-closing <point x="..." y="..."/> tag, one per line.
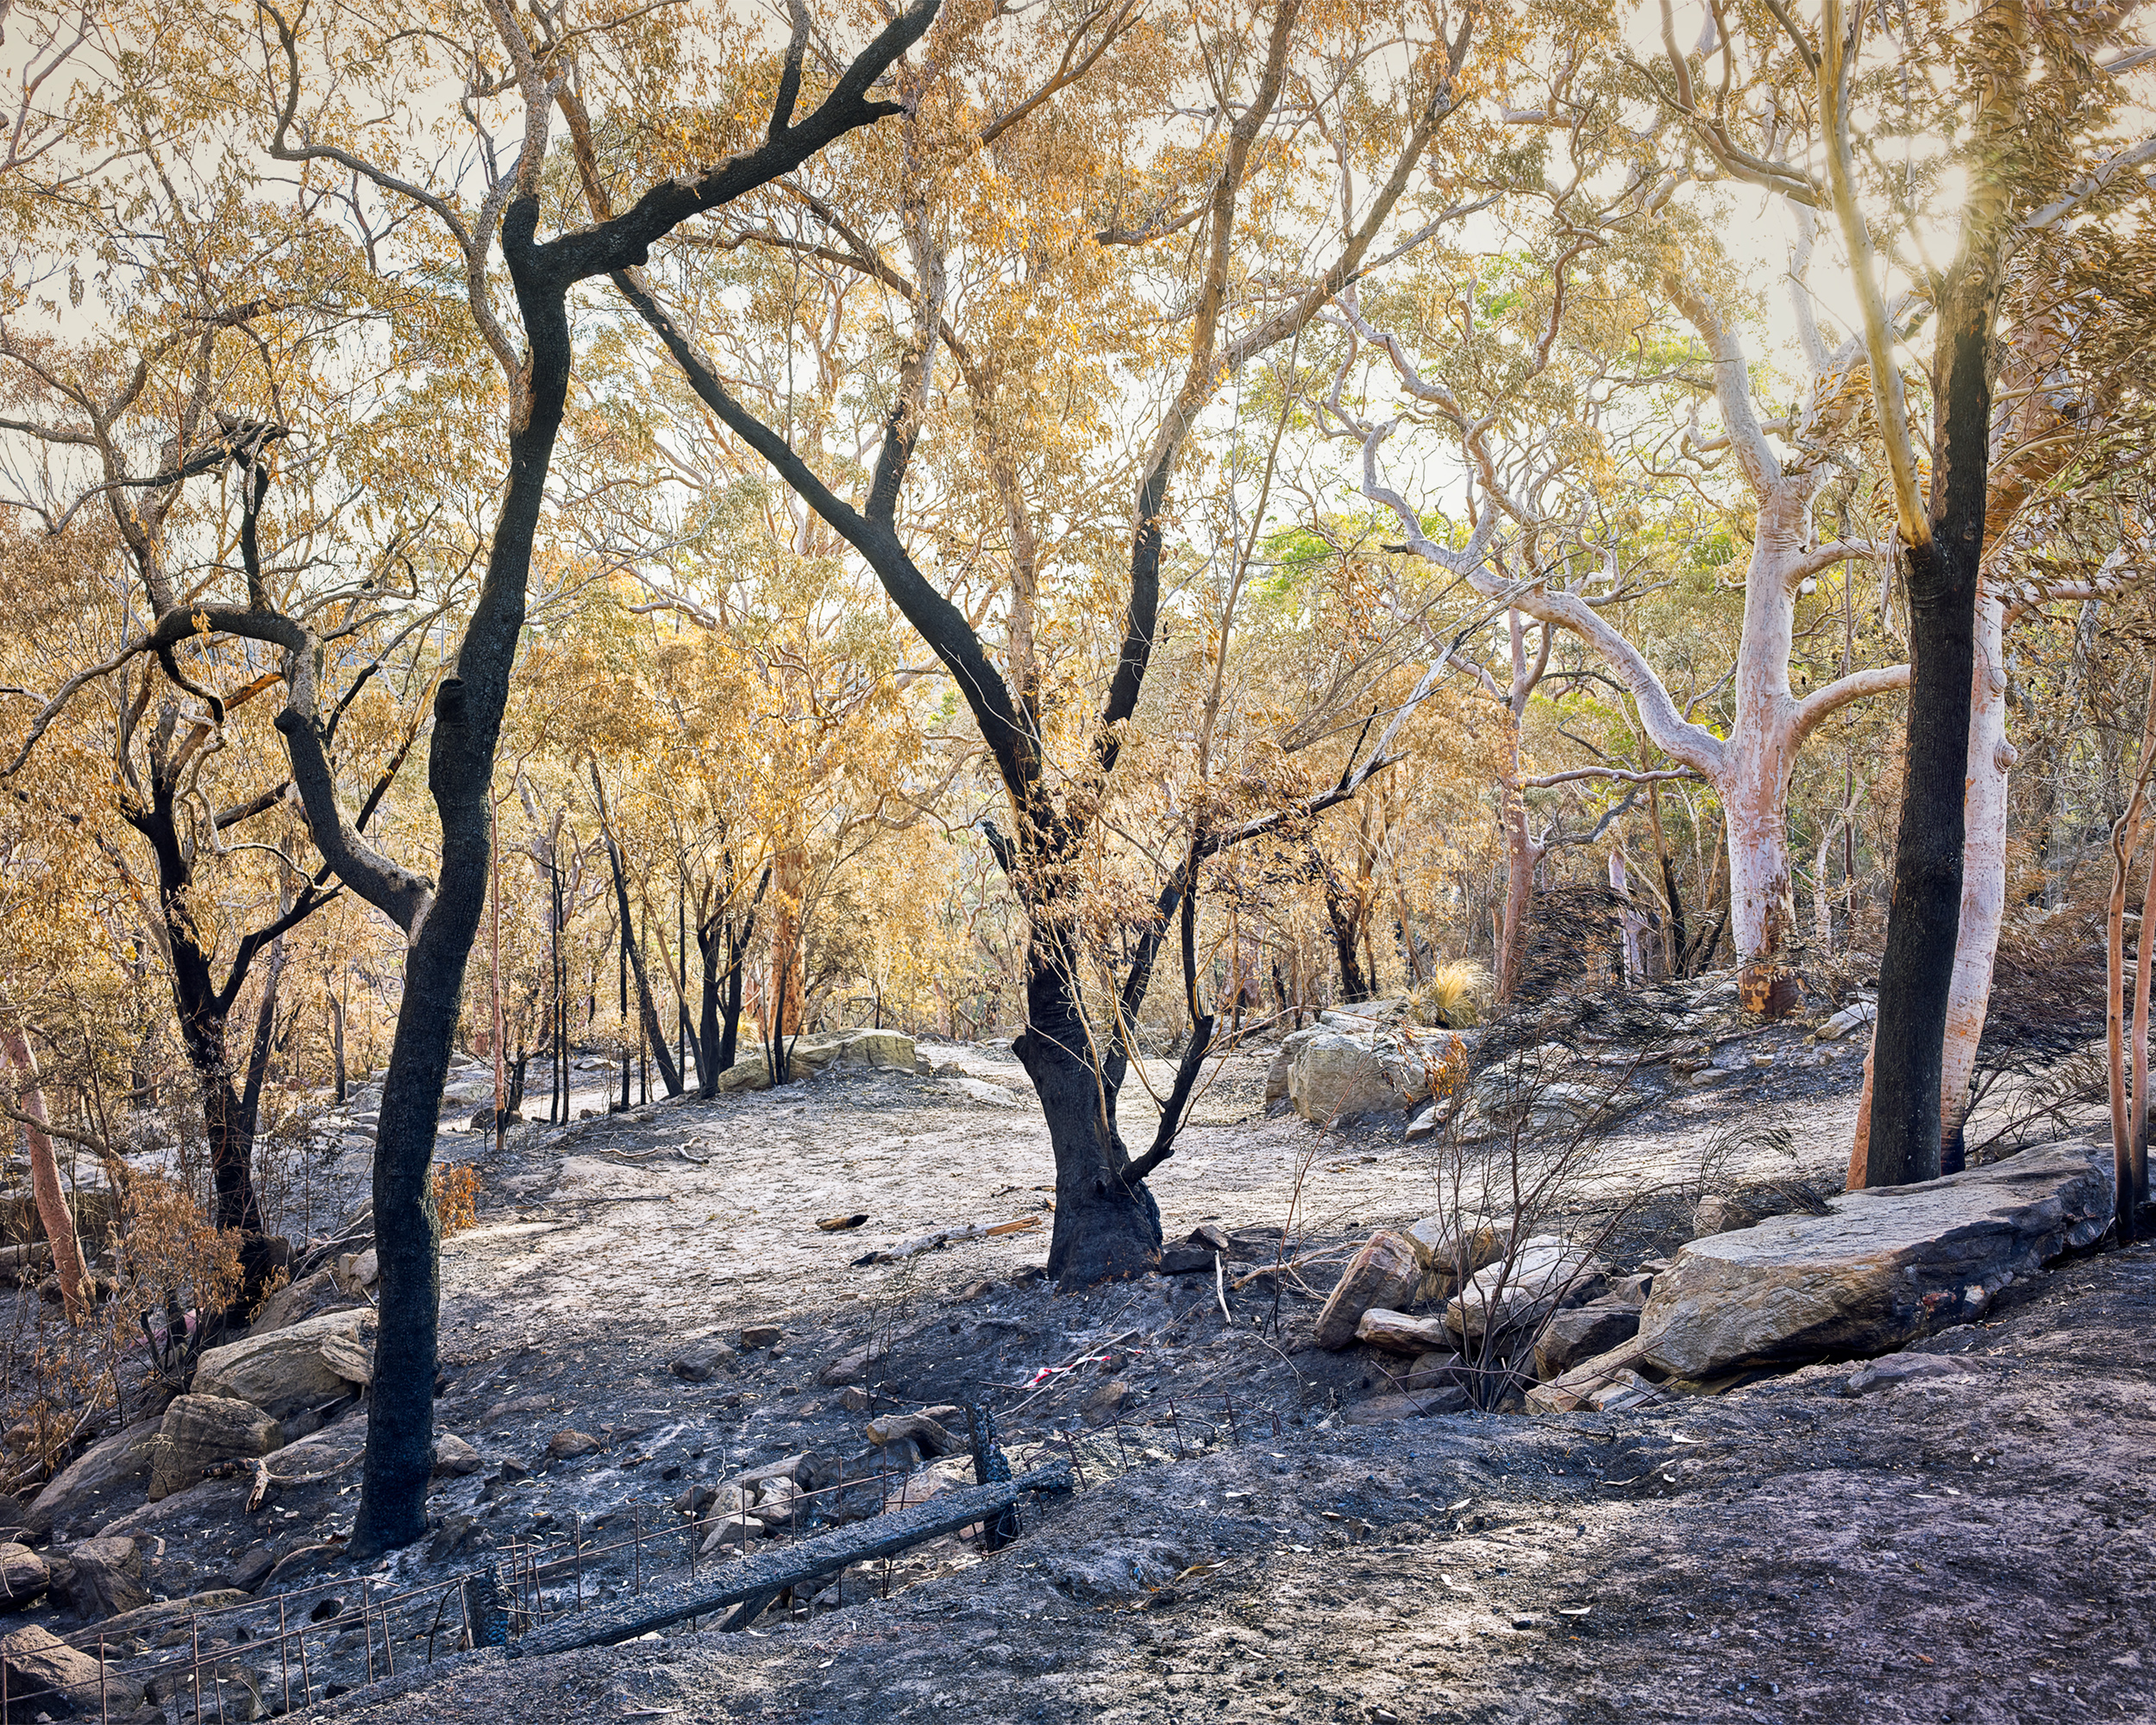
<point x="252" y="1568"/>
<point x="104" y="1578"/>
<point x="200" y="1431"/>
<point x="452" y="1456"/>
<point x="89" y="1488"/>
<point x="45" y="1675"/>
<point x="24" y="1576"/>
<point x="1350" y="1067"/>
<point x="1858" y="1016"/>
<point x="1882" y="1268"/>
<point x="1583" y="1332"/>
<point x="1898" y="1369"/>
<point x="1375" y="1410"/>
<point x="849" y="1368"/>
<point x="309" y="1297"/>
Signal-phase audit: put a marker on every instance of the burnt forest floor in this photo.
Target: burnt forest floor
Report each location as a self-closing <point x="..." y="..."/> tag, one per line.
<point x="1957" y="1547"/>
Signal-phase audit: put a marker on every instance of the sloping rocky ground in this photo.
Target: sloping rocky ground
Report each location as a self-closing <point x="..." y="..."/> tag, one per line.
<point x="1968" y="1541"/>
<point x="606" y="1349"/>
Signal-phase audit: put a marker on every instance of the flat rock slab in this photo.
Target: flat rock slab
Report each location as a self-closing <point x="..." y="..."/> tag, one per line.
<point x="1883" y="1267"/>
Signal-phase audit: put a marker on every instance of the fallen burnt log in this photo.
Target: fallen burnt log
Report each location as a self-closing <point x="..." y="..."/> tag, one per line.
<point x="750" y="1586"/>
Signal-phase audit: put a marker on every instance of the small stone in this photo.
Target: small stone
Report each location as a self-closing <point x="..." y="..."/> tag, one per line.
<point x="1103" y="1401"/>
<point x="252" y="1568"/>
<point x="849" y="1369"/>
<point x="1439" y="1368"/>
<point x="700" y="1364"/>
<point x="1397" y="1333"/>
<point x="928" y="1434"/>
<point x="453" y="1536"/>
<point x="855" y="1399"/>
<point x="761" y="1336"/>
<point x="569" y="1444"/>
<point x="1904" y="1368"/>
<point x="452" y="1456"/>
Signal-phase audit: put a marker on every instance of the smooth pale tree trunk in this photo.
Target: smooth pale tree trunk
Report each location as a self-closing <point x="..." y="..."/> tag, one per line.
<point x="1822" y="905"/>
<point x="1521" y="857"/>
<point x="1628" y="920"/>
<point x="1750" y="769"/>
<point x="1983" y="878"/>
<point x="44" y="1186"/>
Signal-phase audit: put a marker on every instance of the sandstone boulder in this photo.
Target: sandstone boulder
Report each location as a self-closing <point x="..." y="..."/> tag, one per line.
<point x="1383" y="1273"/>
<point x="199" y="1431"/>
<point x="745" y="1075"/>
<point x="1522" y="1290"/>
<point x="1882" y="1268"/>
<point x="1342" y="1073"/>
<point x="302" y="1365"/>
<point x="24" y="1576"/>
<point x="885" y="1050"/>
<point x="1283" y="1062"/>
<point x="45" y="1675"/>
<point x="1397" y="1333"/>
<point x="92" y="1487"/>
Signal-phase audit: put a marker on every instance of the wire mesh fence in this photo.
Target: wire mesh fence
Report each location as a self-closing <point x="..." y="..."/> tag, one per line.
<point x="273" y="1654"/>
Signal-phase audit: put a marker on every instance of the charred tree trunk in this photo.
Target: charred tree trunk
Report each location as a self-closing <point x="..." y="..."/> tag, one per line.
<point x="1107" y="1228"/>
<point x="646" y="1009"/>
<point x="1903" y="1135"/>
<point x="1342" y="913"/>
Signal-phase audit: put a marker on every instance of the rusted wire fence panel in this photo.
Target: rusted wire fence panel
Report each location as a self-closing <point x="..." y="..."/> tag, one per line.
<point x="530" y="1597"/>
